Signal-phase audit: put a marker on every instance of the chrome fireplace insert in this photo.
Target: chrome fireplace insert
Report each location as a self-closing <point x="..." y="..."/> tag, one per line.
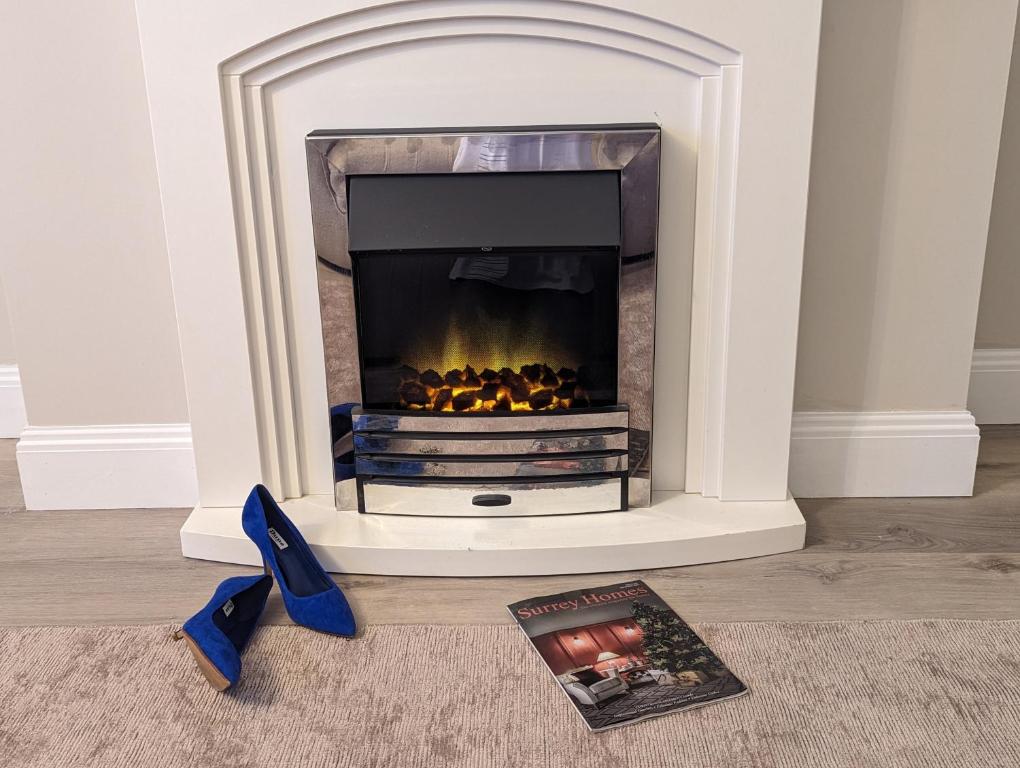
<point x="488" y="308"/>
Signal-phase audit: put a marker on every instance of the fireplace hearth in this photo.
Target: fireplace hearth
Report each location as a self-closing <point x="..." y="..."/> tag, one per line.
<point x="502" y="301"/>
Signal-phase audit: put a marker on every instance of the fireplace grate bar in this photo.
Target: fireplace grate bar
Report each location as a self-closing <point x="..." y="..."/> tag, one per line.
<point x="511" y="482"/>
<point x="494" y="444"/>
<point x="483" y="457"/>
<point x="488" y="423"/>
<point x="408" y="435"/>
<point x="508" y="467"/>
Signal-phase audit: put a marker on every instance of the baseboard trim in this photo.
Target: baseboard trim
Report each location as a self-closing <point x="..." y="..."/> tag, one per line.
<point x="107" y="466"/>
<point x="995" y="386"/>
<point x="12" y="402"/>
<point x="883" y="453"/>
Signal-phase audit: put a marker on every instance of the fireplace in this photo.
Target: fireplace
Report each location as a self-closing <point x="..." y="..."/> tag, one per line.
<point x="732" y="85"/>
<point x="488" y="318"/>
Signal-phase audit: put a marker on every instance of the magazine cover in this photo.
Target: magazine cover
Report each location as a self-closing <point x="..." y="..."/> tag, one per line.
<point x="622" y="655"/>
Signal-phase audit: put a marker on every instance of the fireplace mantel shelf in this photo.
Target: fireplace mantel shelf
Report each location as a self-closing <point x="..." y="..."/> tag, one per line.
<point x="678" y="529"/>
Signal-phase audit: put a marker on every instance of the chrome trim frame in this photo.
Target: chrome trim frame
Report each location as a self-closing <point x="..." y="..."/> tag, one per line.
<point x="632" y="150"/>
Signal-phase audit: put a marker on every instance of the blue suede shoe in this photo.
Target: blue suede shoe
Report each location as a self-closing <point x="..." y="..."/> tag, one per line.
<point x="312" y="598"/>
<point x="218" y="634"/>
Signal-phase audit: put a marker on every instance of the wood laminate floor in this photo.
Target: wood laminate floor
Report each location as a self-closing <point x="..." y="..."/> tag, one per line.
<point x="865" y="558"/>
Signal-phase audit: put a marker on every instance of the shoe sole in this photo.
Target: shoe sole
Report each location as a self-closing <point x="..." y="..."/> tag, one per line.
<point x="206" y="667"/>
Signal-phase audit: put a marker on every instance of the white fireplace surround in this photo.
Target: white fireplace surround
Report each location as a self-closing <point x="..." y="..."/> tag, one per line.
<point x="234" y="87"/>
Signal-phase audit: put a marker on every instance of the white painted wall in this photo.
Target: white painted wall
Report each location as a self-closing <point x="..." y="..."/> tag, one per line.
<point x="81" y="236"/>
<point x="999" y="313"/>
<point x="12" y="403"/>
<point x="994" y="396"/>
<point x="907" y="120"/>
<point x="8" y="352"/>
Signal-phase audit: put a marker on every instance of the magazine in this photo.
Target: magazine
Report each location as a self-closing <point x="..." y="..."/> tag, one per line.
<point x="622" y="655"/>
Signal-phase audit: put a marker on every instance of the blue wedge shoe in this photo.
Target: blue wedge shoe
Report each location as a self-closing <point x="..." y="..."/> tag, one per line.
<point x="218" y="634"/>
<point x="311" y="597"/>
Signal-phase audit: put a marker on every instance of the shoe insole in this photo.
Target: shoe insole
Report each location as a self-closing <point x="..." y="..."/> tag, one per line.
<point x="237" y="617"/>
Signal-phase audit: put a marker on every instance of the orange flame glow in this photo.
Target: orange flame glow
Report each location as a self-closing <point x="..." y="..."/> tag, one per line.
<point x="534" y="387"/>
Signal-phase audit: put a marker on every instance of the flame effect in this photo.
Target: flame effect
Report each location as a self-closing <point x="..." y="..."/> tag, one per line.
<point x="487" y="338"/>
<point x="534" y="387"/>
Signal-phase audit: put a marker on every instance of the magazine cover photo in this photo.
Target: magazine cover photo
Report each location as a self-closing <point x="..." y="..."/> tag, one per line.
<point x="621" y="654"/>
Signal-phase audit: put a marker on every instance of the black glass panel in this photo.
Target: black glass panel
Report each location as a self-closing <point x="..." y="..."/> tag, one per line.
<point x="504" y="330"/>
<point x="570" y="209"/>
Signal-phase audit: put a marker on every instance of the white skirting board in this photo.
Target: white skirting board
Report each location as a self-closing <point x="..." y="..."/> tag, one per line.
<point x="995" y="386"/>
<point x="12" y="403"/>
<point x="107" y="466"/>
<point x="678" y="529"/>
<point x="884" y="453"/>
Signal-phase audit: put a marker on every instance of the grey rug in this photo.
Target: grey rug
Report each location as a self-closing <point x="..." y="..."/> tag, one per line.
<point x="931" y="693"/>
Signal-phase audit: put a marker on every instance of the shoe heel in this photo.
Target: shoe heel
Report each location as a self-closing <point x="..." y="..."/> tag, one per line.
<point x="265" y="567"/>
<point x="215" y="678"/>
<point x="218" y="634"/>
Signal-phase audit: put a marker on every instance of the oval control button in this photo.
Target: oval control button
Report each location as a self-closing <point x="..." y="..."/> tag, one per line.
<point x="491" y="500"/>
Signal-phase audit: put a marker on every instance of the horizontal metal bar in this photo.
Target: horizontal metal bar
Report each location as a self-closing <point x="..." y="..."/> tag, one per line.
<point x="504" y="443"/>
<point x="408" y="435"/>
<point x="515" y="482"/>
<point x="540" y="421"/>
<point x="488" y="467"/>
<point x="493" y="458"/>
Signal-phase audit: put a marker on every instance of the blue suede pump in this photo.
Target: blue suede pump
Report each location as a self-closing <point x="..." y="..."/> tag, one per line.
<point x="311" y="597"/>
<point x="217" y="635"/>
